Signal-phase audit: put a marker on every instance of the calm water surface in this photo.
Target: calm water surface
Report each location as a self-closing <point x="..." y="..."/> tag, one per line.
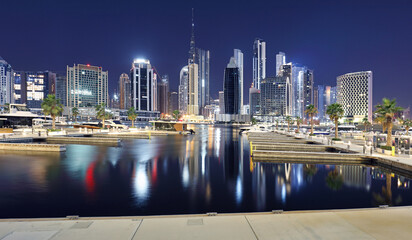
<point x="207" y="172"/>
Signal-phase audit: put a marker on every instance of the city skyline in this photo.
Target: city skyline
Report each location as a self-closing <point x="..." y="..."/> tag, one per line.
<point x="331" y="48"/>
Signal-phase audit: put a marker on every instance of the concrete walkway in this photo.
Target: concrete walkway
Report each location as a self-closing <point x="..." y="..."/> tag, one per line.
<point x="390" y="223"/>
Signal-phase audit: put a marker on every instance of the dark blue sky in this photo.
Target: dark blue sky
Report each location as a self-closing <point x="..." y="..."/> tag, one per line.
<point x="331" y="37"/>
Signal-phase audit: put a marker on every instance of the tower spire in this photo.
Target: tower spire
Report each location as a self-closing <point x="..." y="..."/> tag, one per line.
<point x="192" y="50"/>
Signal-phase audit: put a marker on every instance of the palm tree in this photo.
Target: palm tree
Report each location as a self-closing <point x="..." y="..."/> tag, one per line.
<point x="289" y="120"/>
<point x="335" y="112"/>
<point x="277" y="123"/>
<point x="407" y="123"/>
<point x="388" y="109"/>
<point x="176" y="114"/>
<point x="298" y="122"/>
<point x="6" y="107"/>
<point x="52" y="106"/>
<point x="101" y="113"/>
<point x="366" y="123"/>
<point x="75" y="112"/>
<point x="132" y="115"/>
<point x="311" y="111"/>
<point x="381" y="120"/>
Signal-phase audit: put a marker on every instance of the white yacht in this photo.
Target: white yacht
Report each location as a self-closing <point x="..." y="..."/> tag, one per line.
<point x="19" y="115"/>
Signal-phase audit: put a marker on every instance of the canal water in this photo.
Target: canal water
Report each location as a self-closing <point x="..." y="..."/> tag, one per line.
<point x="207" y="172"/>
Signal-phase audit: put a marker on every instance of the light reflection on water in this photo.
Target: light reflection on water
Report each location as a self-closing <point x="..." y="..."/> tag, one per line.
<point x="209" y="171"/>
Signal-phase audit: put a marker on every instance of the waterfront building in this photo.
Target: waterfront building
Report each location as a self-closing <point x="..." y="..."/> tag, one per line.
<point x="6" y="83"/>
<point x="193" y="90"/>
<point x="32" y="87"/>
<point x="355" y="95"/>
<point x="173" y="102"/>
<point x="20" y="87"/>
<point x="254" y="101"/>
<point x="321" y="103"/>
<point x="163" y="94"/>
<point x="125" y="94"/>
<point x="274" y="95"/>
<point x="183" y="90"/>
<point x="259" y="62"/>
<point x="61" y="88"/>
<point x="221" y="102"/>
<point x="308" y="96"/>
<point x="87" y="86"/>
<point x="203" y="62"/>
<point x="231" y="89"/>
<point x="238" y="55"/>
<point x="280" y="60"/>
<point x="315" y="97"/>
<point x="287" y="71"/>
<point x="143" y="86"/>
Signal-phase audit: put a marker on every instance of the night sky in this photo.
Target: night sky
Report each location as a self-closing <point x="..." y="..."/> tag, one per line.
<point x="330" y="37"/>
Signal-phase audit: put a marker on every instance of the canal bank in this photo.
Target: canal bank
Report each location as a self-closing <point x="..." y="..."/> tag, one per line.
<point x="387" y="223"/>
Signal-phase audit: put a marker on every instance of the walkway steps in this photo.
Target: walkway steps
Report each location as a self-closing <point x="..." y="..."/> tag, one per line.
<point x="32" y="147"/>
<point x="88" y="140"/>
<point x="289" y="147"/>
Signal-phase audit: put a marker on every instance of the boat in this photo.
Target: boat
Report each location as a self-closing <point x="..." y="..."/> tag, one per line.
<point x="18" y="116"/>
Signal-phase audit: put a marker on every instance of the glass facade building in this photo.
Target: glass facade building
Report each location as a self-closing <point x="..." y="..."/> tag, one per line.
<point x="231" y="88"/>
<point x="273" y="96"/>
<point x="87" y="86"/>
<point x="143" y="86"/>
<point x="259" y="62"/>
<point x="6" y="83"/>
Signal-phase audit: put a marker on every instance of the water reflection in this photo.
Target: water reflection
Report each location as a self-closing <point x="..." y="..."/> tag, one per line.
<point x="209" y="171"/>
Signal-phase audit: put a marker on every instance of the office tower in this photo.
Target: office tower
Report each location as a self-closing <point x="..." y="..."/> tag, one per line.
<point x="87" y="86"/>
<point x="273" y="96"/>
<point x="6" y="83"/>
<point x="231" y="88"/>
<point x="287" y="72"/>
<point x="321" y="103"/>
<point x="203" y="61"/>
<point x="61" y="88"/>
<point x="355" y="95"/>
<point x="173" y="102"/>
<point x="124" y="91"/>
<point x="32" y="87"/>
<point x="222" y="102"/>
<point x="143" y="86"/>
<point x="315" y="97"/>
<point x="193" y="90"/>
<point x="259" y="62"/>
<point x="239" y="63"/>
<point x="115" y="100"/>
<point x="50" y="84"/>
<point x="254" y="101"/>
<point x="183" y="90"/>
<point x="297" y="87"/>
<point x="20" y="87"/>
<point x="280" y="60"/>
<point x="333" y="95"/>
<point x="308" y="96"/>
<point x="163" y="94"/>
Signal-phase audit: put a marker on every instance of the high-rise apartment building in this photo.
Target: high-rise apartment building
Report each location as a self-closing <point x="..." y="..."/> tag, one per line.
<point x="143" y="86"/>
<point x="308" y="96"/>
<point x="274" y="93"/>
<point x="280" y="60"/>
<point x="183" y="90"/>
<point x="173" y="102"/>
<point x="125" y="94"/>
<point x="203" y="61"/>
<point x="259" y="62"/>
<point x="254" y="101"/>
<point x="61" y="88"/>
<point x="238" y="55"/>
<point x="20" y="87"/>
<point x="193" y="90"/>
<point x="6" y="83"/>
<point x="231" y="88"/>
<point x="163" y="94"/>
<point x="32" y="87"/>
<point x="87" y="86"/>
<point x="355" y="95"/>
<point x="287" y="71"/>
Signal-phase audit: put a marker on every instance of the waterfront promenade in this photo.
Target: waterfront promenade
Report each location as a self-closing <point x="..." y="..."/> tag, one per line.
<point x="389" y="223"/>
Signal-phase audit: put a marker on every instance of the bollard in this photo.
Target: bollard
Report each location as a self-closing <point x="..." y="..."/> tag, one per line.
<point x="251" y="149"/>
<point x="149" y="135"/>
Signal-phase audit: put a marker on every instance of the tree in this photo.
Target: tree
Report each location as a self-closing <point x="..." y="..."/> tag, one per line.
<point x="407" y="123"/>
<point x="388" y="109"/>
<point x="298" y="122"/>
<point x="381" y="120"/>
<point x="75" y="112"/>
<point x="101" y="113"/>
<point x="277" y="123"/>
<point x="311" y="111"/>
<point x="176" y="115"/>
<point x="253" y="120"/>
<point x="366" y="123"/>
<point x="335" y="112"/>
<point x="6" y="107"/>
<point x="132" y="115"/>
<point x="52" y="106"/>
<point x="289" y="120"/>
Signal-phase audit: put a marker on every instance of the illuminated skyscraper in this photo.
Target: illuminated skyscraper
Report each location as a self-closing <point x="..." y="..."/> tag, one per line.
<point x="143" y="86"/>
<point x="280" y="60"/>
<point x="238" y="55"/>
<point x="183" y="90"/>
<point x="87" y="86"/>
<point x="125" y="94"/>
<point x="259" y="62"/>
<point x="6" y="83"/>
<point x="193" y="89"/>
<point x="163" y="94"/>
<point x="231" y="88"/>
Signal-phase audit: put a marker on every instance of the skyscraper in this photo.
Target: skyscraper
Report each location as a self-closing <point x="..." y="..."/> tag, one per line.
<point x="163" y="94"/>
<point x="6" y="83"/>
<point x="20" y="87"/>
<point x="280" y="60"/>
<point x="32" y="87"/>
<point x="203" y="61"/>
<point x="124" y="91"/>
<point x="183" y="90"/>
<point x="321" y="102"/>
<point x="61" y="88"/>
<point x="355" y="95"/>
<point x="238" y="55"/>
<point x="193" y="89"/>
<point x="87" y="86"/>
<point x="259" y="62"/>
<point x="143" y="86"/>
<point x="173" y="102"/>
<point x="287" y="72"/>
<point x="274" y="95"/>
<point x="231" y="88"/>
<point x="222" y="102"/>
<point x="254" y="101"/>
<point x="308" y="97"/>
